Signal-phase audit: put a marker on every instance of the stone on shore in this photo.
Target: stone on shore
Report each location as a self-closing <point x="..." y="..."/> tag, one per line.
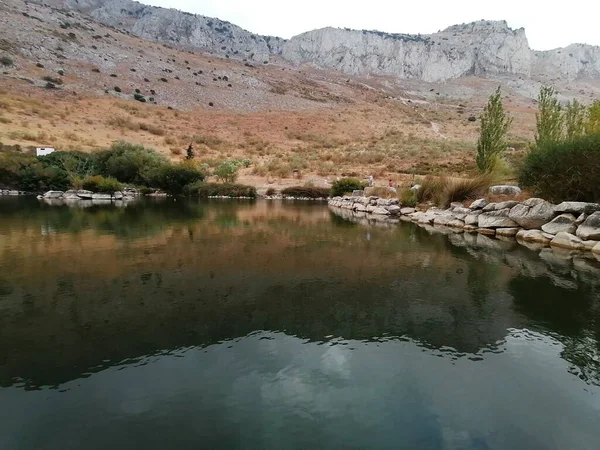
<point x="407" y="210"/>
<point x="577" y="208"/>
<point x="393" y="209"/>
<point x="532" y="213"/>
<point x="567" y="240"/>
<point x="596" y="249"/>
<point x="380" y="211"/>
<point x="563" y="223"/>
<point x="496" y="219"/>
<point x="499" y="206"/>
<point x="479" y="204"/>
<point x="533" y="236"/>
<point x="590" y="228"/>
<point x="82" y="193"/>
<point x="486" y="231"/>
<point x="507" y="232"/>
<point x="99" y="196"/>
<point x="53" y="194"/>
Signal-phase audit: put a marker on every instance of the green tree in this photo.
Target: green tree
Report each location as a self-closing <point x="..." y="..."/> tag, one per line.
<point x="492" y="135"/>
<point x="227" y="171"/>
<point x="549" y="118"/>
<point x="593" y="122"/>
<point x="575" y="120"/>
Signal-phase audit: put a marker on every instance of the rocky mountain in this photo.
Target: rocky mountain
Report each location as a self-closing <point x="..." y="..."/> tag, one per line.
<point x="484" y="48"/>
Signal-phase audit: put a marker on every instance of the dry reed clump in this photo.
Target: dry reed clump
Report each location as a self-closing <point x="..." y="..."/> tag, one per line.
<point x="443" y="190"/>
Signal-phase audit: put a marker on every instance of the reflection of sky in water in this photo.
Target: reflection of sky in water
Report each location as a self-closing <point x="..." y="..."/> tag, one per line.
<point x="270" y="390"/>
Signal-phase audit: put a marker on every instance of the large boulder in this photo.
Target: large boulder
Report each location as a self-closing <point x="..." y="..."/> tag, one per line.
<point x="563" y="223"/>
<point x="380" y="211"/>
<point x="443" y="219"/>
<point x="359" y="207"/>
<point x="393" y="209"/>
<point x="407" y="210"/>
<point x="577" y="208"/>
<point x="590" y="228"/>
<point x="567" y="240"/>
<point x="53" y="194"/>
<point x="479" y="204"/>
<point x="71" y="195"/>
<point x="82" y="193"/>
<point x="496" y="219"/>
<point x="101" y="197"/>
<point x="532" y="213"/>
<point x="472" y="219"/>
<point x="508" y="191"/>
<point x="498" y="206"/>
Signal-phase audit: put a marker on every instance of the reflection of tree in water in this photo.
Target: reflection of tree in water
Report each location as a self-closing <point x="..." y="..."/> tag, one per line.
<point x="572" y="317"/>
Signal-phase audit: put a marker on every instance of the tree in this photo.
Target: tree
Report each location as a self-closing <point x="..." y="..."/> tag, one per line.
<point x="492" y="136"/>
<point x="593" y="123"/>
<point x="549" y="118"/>
<point x="190" y="152"/>
<point x="227" y="171"/>
<point x="575" y="120"/>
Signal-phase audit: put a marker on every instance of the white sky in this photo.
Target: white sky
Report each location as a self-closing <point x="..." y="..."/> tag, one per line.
<point x="549" y="24"/>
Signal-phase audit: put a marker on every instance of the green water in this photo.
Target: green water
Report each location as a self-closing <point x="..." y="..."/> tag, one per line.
<point x="255" y="325"/>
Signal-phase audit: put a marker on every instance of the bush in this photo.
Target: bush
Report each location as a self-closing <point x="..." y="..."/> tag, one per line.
<point x="408" y="198"/>
<point x="6" y="61"/>
<point x="50" y="79"/>
<point x="345" y="186"/>
<point x="97" y="183"/>
<point x="117" y="89"/>
<point x="204" y="190"/>
<point x="31" y="174"/>
<point x="271" y="191"/>
<point x="568" y="170"/>
<point x="306" y="191"/>
<point x="442" y="191"/>
<point x="172" y="179"/>
<point x="227" y="171"/>
<point x="139" y="98"/>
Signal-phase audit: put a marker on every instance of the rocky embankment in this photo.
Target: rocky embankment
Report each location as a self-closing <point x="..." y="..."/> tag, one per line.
<point x="569" y="225"/>
<point x="88" y="197"/>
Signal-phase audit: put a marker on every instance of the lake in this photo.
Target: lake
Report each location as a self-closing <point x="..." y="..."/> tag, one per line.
<point x="269" y="325"/>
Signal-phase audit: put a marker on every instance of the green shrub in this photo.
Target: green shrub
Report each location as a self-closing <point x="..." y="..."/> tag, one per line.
<point x="203" y="190"/>
<point x="408" y="198"/>
<point x="31" y="174"/>
<point x="568" y="170"/>
<point x="271" y="191"/>
<point x="128" y="163"/>
<point x="306" y="191"/>
<point x="50" y="79"/>
<point x="173" y="178"/>
<point x="97" y="183"/>
<point x="139" y="97"/>
<point x="227" y="171"/>
<point x="6" y="61"/>
<point x="345" y="186"/>
<point x="117" y="89"/>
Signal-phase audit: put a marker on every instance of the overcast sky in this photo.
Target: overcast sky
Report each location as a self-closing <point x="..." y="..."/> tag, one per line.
<point x="549" y="24"/>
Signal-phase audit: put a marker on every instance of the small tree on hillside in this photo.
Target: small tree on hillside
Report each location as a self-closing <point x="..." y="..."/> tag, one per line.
<point x="593" y="122"/>
<point x="575" y="120"/>
<point x="492" y="137"/>
<point x="549" y="118"/>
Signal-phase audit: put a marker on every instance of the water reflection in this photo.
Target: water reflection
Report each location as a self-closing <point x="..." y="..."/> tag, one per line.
<point x="293" y="317"/>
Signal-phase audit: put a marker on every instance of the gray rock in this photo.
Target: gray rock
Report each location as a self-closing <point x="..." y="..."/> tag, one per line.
<point x="359" y="207"/>
<point x="380" y="211"/>
<point x="507" y="232"/>
<point x="590" y="228"/>
<point x="12" y="193"/>
<point x="596" y="248"/>
<point x="472" y="219"/>
<point x="460" y="211"/>
<point x="101" y="197"/>
<point x="581" y="219"/>
<point x="567" y="240"/>
<point x="85" y="194"/>
<point x="393" y="209"/>
<point x="487" y="231"/>
<point x="496" y="219"/>
<point x="357" y="193"/>
<point x="443" y="219"/>
<point x="589" y="245"/>
<point x="508" y="191"/>
<point x="454" y="205"/>
<point x="456" y="223"/>
<point x="532" y="213"/>
<point x="563" y="223"/>
<point x="577" y="208"/>
<point x="407" y="210"/>
<point x="502" y="205"/>
<point x="532" y="236"/>
<point x="53" y="194"/>
<point x="479" y="204"/>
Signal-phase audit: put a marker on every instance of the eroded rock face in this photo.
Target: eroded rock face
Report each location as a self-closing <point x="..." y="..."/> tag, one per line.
<point x="563" y="223"/>
<point x="532" y="213"/>
<point x="590" y="228"/>
<point x="577" y="208"/>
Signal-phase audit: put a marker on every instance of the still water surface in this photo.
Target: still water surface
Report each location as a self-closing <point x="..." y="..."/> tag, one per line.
<point x="282" y="326"/>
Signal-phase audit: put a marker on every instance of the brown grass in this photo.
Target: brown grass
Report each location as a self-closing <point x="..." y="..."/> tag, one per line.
<point x="443" y="190"/>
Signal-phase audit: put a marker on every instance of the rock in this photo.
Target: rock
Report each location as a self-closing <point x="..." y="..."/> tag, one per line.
<point x="590" y="228"/>
<point x="456" y="223"/>
<point x="454" y="205"/>
<point x="577" y="208"/>
<point x="84" y="194"/>
<point x="496" y="219"/>
<point x="581" y="219"/>
<point x="407" y="210"/>
<point x="567" y="240"/>
<point x="479" y="204"/>
<point x="532" y="213"/>
<point x="380" y="211"/>
<point x="563" y="223"/>
<point x="461" y="211"/>
<point x="118" y="195"/>
<point x="12" y="193"/>
<point x="501" y="205"/>
<point x="359" y="207"/>
<point x="357" y="193"/>
<point x="470" y="228"/>
<point x="507" y="232"/>
<point x="71" y="195"/>
<point x="53" y="194"/>
<point x="589" y="245"/>
<point x="443" y="219"/>
<point x="472" y="219"/>
<point x="532" y="236"/>
<point x="415" y="188"/>
<point x="596" y="248"/>
<point x="487" y="231"/>
<point x="101" y="197"/>
<point x="393" y="209"/>
<point x="506" y="190"/>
